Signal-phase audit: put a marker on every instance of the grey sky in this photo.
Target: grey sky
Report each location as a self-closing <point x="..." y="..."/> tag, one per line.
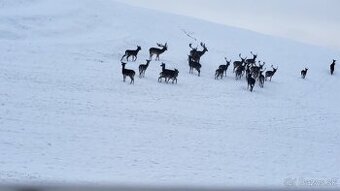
<point x="311" y="21"/>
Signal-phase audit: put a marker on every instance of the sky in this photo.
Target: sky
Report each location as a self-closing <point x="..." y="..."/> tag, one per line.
<point x="310" y="21"/>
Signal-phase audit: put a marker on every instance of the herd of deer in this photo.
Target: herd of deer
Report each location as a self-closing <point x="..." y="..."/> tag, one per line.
<point x="251" y="68"/>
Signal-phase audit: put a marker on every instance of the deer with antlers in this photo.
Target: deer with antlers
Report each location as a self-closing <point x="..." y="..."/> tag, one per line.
<point x="239" y="63"/>
<point x="197" y="54"/>
<point x="158" y="51"/>
<point x="252" y="61"/>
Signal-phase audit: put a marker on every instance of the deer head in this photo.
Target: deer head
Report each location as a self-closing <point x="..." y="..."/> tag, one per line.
<point x="274" y="69"/>
<point x="254" y="55"/>
<point x="227" y="61"/>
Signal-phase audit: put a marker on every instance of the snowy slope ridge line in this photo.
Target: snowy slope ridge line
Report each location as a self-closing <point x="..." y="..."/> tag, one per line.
<point x="66" y="115"/>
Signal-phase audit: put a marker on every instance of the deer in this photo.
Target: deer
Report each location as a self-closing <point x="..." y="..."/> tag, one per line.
<point x="255" y="70"/>
<point x="168" y="74"/>
<point x="142" y="68"/>
<point x="251" y="82"/>
<point x="225" y="67"/>
<point x="158" y="51"/>
<point x="239" y="72"/>
<point x="252" y="61"/>
<point x="219" y="73"/>
<point x="331" y="67"/>
<point x="194" y="65"/>
<point x="128" y="72"/>
<point x="173" y="75"/>
<point x="132" y="53"/>
<point x="239" y="63"/>
<point x="261" y="79"/>
<point x="304" y="73"/>
<point x="196" y="54"/>
<point x="270" y="74"/>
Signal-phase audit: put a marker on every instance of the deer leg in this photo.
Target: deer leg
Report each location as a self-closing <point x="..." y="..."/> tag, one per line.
<point x="132" y="80"/>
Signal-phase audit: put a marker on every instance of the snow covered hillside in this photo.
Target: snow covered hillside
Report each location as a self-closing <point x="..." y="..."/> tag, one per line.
<point x="66" y="115"/>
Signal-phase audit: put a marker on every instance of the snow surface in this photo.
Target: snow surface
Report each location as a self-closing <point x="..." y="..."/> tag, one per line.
<point x="66" y="115"/>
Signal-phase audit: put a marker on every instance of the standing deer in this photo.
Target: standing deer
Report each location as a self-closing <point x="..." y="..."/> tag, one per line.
<point x="142" y="68"/>
<point x="304" y="73"/>
<point x="194" y="65"/>
<point x="239" y="63"/>
<point x="255" y="70"/>
<point x="261" y="79"/>
<point x="331" y="67"/>
<point x="132" y="53"/>
<point x="196" y="54"/>
<point x="219" y="73"/>
<point x="168" y="74"/>
<point x="251" y="82"/>
<point x="239" y="71"/>
<point x="226" y="66"/>
<point x="158" y="51"/>
<point x="270" y="74"/>
<point x="252" y="61"/>
<point x="127" y="72"/>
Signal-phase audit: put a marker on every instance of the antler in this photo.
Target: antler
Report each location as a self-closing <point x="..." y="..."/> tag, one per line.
<point x="251" y="52"/>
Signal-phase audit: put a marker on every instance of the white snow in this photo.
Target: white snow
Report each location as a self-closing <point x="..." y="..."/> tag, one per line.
<point x="66" y="115"/>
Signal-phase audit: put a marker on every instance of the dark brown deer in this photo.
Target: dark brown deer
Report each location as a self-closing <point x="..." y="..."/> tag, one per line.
<point x="304" y="73"/>
<point x="127" y="72"/>
<point x="251" y="82"/>
<point x="158" y="51"/>
<point x="194" y="65"/>
<point x="331" y="67"/>
<point x="261" y="79"/>
<point x="196" y="54"/>
<point x="219" y="73"/>
<point x="142" y="68"/>
<point x="132" y="53"/>
<point x="239" y="63"/>
<point x="252" y="61"/>
<point x="168" y="74"/>
<point x="225" y="67"/>
<point x="270" y="74"/>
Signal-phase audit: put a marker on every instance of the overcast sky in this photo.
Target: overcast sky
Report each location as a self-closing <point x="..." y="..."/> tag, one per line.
<point x="312" y="21"/>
